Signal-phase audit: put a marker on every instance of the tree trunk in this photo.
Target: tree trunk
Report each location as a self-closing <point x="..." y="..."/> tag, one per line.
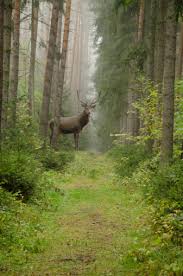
<point x="15" y="62"/>
<point x="168" y="85"/>
<point x="151" y="42"/>
<point x="1" y="64"/>
<point x="62" y="72"/>
<point x="180" y="59"/>
<point x="141" y="21"/>
<point x="160" y="49"/>
<point x="74" y="47"/>
<point x="150" y="65"/>
<point x="6" y="58"/>
<point x="34" y="28"/>
<point x="56" y="72"/>
<point x="44" y="118"/>
<point x="179" y="70"/>
<point x="133" y="122"/>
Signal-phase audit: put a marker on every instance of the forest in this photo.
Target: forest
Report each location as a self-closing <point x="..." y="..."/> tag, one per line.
<point x="91" y="137"/>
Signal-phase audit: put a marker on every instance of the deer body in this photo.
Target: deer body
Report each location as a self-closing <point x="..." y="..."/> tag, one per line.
<point x="74" y="124"/>
<point x="69" y="125"/>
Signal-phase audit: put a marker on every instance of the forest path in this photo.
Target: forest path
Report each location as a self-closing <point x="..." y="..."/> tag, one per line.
<point x="97" y="225"/>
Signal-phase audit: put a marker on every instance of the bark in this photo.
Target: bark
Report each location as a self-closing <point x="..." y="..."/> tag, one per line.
<point x="1" y="64"/>
<point x="74" y="49"/>
<point x="151" y="42"/>
<point x="168" y="84"/>
<point x="15" y="62"/>
<point x="141" y="21"/>
<point x="6" y="58"/>
<point x="160" y="49"/>
<point x="150" y="65"/>
<point x="44" y="118"/>
<point x="62" y="71"/>
<point x="180" y="56"/>
<point x="56" y="71"/>
<point x="133" y="122"/>
<point x="34" y="29"/>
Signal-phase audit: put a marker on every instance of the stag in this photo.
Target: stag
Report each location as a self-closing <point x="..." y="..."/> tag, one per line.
<point x="74" y="124"/>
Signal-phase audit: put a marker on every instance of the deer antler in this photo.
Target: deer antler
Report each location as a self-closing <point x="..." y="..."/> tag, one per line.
<point x="94" y="102"/>
<point x="83" y="103"/>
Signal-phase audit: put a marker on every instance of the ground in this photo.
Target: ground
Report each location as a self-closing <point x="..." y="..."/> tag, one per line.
<point x="96" y="225"/>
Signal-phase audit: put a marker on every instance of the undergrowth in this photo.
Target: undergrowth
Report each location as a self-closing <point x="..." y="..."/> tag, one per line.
<point x="28" y="193"/>
<point x="162" y="188"/>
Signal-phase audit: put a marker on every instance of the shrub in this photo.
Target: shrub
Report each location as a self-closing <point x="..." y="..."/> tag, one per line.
<point x="21" y="228"/>
<point x="167" y="183"/>
<point x="163" y="189"/>
<point x="55" y="160"/>
<point x="19" y="173"/>
<point x="127" y="157"/>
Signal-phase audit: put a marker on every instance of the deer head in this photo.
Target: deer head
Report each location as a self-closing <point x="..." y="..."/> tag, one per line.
<point x="87" y="106"/>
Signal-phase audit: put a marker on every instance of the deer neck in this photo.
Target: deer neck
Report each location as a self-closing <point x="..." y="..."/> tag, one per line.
<point x="84" y="119"/>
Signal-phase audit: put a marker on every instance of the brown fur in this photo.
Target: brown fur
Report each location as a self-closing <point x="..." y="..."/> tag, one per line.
<point x="69" y="125"/>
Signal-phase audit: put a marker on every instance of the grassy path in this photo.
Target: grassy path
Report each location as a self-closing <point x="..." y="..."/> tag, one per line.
<point x="98" y="222"/>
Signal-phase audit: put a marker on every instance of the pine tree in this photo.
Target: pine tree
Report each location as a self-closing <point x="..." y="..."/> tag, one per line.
<point x="168" y="84"/>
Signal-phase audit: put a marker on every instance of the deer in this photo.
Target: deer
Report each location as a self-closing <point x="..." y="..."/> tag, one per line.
<point x="74" y="124"/>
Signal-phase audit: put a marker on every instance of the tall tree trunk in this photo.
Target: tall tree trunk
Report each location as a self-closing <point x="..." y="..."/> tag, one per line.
<point x="15" y="62"/>
<point x="179" y="69"/>
<point x="74" y="47"/>
<point x="150" y="65"/>
<point x="44" y="118"/>
<point x="56" y="72"/>
<point x="168" y="85"/>
<point x="34" y="28"/>
<point x="133" y="122"/>
<point x="1" y="64"/>
<point x="64" y="47"/>
<point x="6" y="58"/>
<point x="141" y="21"/>
<point x="160" y="42"/>
<point x="180" y="60"/>
<point x="151" y="42"/>
<point x="62" y="72"/>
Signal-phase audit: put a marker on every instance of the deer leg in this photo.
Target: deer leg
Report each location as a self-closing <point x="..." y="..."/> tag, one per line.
<point x="77" y="139"/>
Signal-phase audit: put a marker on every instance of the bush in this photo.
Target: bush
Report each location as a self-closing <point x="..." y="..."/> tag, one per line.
<point x="19" y="173"/>
<point x="128" y="158"/>
<point x="161" y="251"/>
<point x="166" y="194"/>
<point x="167" y="183"/>
<point x="55" y="160"/>
<point x="22" y="232"/>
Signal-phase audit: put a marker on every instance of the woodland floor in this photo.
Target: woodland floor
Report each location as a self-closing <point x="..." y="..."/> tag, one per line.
<point x="96" y="226"/>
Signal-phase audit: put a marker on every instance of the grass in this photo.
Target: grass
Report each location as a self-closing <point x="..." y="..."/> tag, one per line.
<point x="94" y="226"/>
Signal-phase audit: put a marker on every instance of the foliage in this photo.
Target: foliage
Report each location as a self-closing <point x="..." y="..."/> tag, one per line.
<point x="114" y="40"/>
<point x="162" y="189"/>
<point x="56" y="160"/>
<point x="19" y="173"/>
<point x="24" y="137"/>
<point x="179" y="111"/>
<point x="26" y="228"/>
<point x="127" y="158"/>
<point x="136" y="58"/>
<point x="19" y="227"/>
<point x="149" y="108"/>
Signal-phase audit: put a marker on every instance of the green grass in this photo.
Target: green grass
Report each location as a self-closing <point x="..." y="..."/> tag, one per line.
<point x="90" y="224"/>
